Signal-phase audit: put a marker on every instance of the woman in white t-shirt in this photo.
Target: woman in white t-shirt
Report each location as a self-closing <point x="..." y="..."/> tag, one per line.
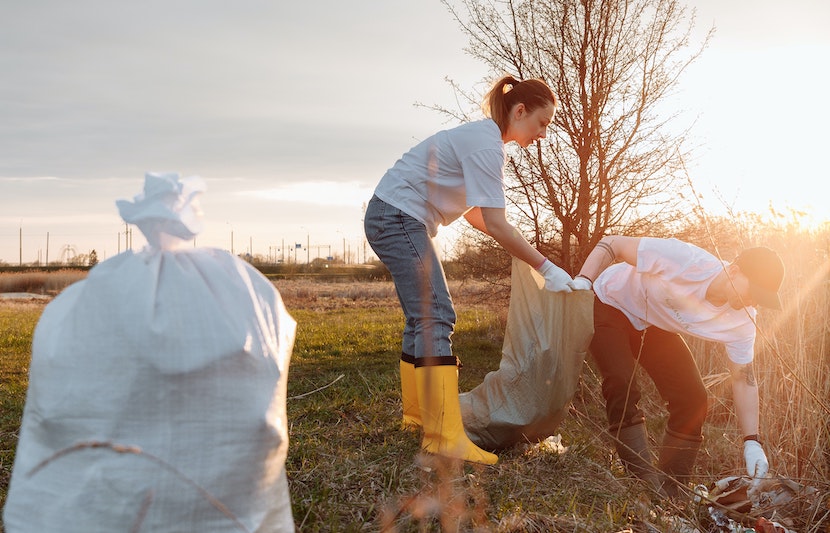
<point x="650" y="291"/>
<point x="454" y="172"/>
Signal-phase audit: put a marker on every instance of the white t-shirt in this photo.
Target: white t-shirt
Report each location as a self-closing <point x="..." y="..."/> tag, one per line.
<point x="439" y="179"/>
<point x="667" y="289"/>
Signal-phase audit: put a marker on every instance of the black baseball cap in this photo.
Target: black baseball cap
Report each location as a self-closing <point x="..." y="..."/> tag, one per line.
<point x="765" y="272"/>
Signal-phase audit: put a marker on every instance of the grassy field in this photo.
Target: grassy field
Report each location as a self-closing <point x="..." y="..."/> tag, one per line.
<point x="352" y="468"/>
<point x="17" y="323"/>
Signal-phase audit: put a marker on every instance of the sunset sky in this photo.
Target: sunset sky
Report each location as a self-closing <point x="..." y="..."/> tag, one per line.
<point x="292" y="111"/>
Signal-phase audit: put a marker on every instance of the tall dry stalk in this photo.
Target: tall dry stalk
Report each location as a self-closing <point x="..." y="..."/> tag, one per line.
<point x="792" y="360"/>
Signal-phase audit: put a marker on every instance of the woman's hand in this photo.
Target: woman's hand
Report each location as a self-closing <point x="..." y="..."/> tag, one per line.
<point x="556" y="279"/>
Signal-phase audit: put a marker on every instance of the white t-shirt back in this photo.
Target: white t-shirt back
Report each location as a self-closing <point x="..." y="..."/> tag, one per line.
<point x="667" y="289"/>
<point x="443" y="176"/>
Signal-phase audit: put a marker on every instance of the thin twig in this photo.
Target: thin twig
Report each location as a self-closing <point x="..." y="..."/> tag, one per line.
<point x="135" y="450"/>
<point x="145" y="506"/>
<point x="316" y="390"/>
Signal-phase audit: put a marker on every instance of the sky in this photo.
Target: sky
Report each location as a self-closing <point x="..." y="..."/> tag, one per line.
<point x="292" y="111"/>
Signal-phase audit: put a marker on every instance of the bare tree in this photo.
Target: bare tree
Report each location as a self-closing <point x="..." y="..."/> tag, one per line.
<point x="612" y="162"/>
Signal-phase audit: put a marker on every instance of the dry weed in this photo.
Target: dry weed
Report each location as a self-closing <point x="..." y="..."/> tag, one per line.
<point x="325" y="295"/>
<point x="39" y="282"/>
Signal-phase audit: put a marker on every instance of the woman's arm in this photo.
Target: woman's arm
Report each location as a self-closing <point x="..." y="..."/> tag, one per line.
<point x="493" y="222"/>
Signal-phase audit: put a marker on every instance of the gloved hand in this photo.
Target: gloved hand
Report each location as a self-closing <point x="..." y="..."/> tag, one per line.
<point x="556" y="279"/>
<point x="581" y="284"/>
<point x="756" y="460"/>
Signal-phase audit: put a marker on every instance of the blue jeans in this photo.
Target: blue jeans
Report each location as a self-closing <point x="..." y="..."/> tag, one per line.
<point x="404" y="246"/>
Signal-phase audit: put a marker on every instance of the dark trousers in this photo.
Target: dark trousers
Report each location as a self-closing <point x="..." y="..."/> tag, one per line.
<point x="617" y="348"/>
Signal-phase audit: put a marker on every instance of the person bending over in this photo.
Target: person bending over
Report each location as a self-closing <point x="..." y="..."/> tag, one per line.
<point x="649" y="291"/>
<point x="454" y="172"/>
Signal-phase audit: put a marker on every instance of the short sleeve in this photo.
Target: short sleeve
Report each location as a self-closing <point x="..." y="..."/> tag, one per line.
<point x="664" y="257"/>
<point x="741" y="352"/>
<point x="484" y="178"/>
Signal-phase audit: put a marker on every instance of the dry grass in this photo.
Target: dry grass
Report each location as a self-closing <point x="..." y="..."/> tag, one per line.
<point x="322" y="295"/>
<point x="39" y="282"/>
<point x="535" y="489"/>
<point x="792" y="365"/>
<point x="352" y="468"/>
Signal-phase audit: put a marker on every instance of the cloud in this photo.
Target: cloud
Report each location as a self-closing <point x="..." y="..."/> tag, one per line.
<point x="242" y="88"/>
<point x="320" y="193"/>
<point x="304" y="102"/>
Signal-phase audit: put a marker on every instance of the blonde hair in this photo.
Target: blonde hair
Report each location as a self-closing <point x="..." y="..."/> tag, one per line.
<point x="508" y="91"/>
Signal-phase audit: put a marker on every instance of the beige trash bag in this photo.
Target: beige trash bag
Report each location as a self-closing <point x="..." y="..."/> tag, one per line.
<point x="545" y="344"/>
<point x="157" y="390"/>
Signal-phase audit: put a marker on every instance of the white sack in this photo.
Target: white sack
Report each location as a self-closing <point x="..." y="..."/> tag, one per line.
<point x="545" y="344"/>
<point x="181" y="354"/>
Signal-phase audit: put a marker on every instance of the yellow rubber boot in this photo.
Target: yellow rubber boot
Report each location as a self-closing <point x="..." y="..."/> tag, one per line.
<point x="409" y="394"/>
<point x="441" y="416"/>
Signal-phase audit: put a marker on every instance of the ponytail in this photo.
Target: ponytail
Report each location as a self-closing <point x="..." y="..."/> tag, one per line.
<point x="508" y="91"/>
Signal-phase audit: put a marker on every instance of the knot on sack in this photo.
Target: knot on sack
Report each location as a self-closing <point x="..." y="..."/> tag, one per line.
<point x="167" y="211"/>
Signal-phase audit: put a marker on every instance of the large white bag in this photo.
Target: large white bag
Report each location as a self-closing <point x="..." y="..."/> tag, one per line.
<point x="157" y="391"/>
<point x="545" y="343"/>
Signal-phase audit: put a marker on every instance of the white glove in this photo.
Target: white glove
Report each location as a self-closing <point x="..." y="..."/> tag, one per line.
<point x="756" y="460"/>
<point x="556" y="279"/>
<point x="582" y="284"/>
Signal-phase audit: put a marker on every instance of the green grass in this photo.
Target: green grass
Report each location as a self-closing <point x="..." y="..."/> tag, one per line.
<point x="352" y="468"/>
<point x="17" y="324"/>
<point x="351" y="430"/>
